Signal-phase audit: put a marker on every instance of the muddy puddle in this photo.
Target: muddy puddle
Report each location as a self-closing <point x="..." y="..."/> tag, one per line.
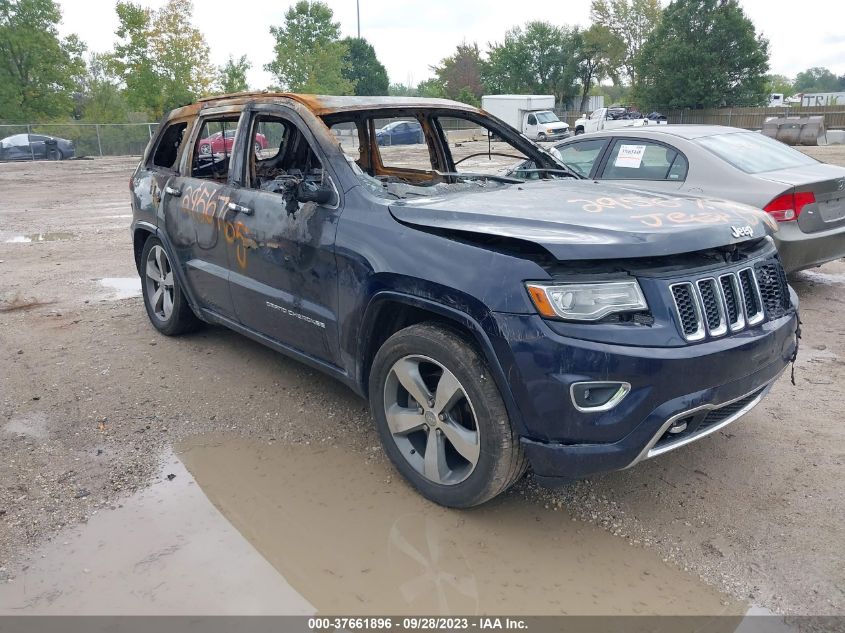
<point x="163" y="551"/>
<point x="821" y="278"/>
<point x="114" y="288"/>
<point x="58" y="236"/>
<point x="351" y="537"/>
<point x="268" y="529"/>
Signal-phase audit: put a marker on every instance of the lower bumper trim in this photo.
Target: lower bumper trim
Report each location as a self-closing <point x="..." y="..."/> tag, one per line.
<point x="652" y="449"/>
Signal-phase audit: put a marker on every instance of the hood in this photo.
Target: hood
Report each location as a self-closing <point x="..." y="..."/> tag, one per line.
<point x="581" y="220"/>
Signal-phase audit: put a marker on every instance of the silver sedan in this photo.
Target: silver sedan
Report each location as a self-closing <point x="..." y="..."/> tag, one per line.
<point x="806" y="197"/>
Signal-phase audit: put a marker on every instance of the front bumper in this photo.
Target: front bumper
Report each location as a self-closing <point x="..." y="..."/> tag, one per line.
<point x="799" y="250"/>
<point x="557" y="136"/>
<point x="668" y="384"/>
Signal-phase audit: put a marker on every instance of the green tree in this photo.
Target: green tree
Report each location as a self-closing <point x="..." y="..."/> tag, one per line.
<point x="39" y="71"/>
<point x="703" y="54"/>
<point x="161" y="58"/>
<point x="431" y="88"/>
<point x="460" y="74"/>
<point x="631" y="21"/>
<point x="363" y="69"/>
<point x="101" y="99"/>
<point x="817" y="79"/>
<point x="614" y="93"/>
<point x="598" y="53"/>
<point x="466" y="95"/>
<point x="309" y="57"/>
<point x="780" y="84"/>
<point x="231" y="76"/>
<point x="539" y="59"/>
<point x="401" y="90"/>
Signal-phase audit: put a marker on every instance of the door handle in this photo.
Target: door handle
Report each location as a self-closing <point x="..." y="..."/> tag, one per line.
<point x="239" y="208"/>
<point x="172" y="191"/>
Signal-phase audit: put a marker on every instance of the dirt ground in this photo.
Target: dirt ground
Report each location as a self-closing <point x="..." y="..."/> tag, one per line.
<point x="91" y="398"/>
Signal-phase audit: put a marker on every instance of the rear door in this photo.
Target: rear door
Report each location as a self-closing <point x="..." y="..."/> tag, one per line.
<point x="644" y="163"/>
<point x="38" y="142"/>
<point x="197" y="218"/>
<point x="284" y="279"/>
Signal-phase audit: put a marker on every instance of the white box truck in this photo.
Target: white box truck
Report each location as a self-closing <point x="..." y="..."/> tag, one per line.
<point x="533" y="115"/>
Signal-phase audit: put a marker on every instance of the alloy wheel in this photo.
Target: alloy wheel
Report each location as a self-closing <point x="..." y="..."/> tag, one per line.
<point x="431" y="420"/>
<point x="160" y="285"/>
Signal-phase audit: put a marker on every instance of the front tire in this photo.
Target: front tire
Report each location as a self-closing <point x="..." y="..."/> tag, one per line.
<point x="441" y="418"/>
<point x="166" y="304"/>
<point x="54" y="154"/>
<point x="579" y="131"/>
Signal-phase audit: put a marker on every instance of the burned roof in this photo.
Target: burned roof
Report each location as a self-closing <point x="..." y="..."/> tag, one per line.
<point x="322" y="104"/>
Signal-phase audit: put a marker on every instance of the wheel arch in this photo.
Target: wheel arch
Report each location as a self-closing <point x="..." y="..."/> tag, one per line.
<point x="390" y="311"/>
<point x="143" y="231"/>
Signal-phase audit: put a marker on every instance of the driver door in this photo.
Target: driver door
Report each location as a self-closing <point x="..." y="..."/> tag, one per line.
<point x="284" y="279"/>
<point x="530" y="126"/>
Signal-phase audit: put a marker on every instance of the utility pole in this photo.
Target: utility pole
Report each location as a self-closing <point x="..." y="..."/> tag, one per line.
<point x="358" y="10"/>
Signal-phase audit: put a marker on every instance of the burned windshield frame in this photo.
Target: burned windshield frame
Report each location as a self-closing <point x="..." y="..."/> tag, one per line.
<point x="443" y="168"/>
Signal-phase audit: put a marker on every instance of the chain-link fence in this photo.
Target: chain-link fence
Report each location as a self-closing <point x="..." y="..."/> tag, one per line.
<point x="89" y="139"/>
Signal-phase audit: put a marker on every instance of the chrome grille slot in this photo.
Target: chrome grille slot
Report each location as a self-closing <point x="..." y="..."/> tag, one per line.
<point x="730" y="301"/>
<point x="688" y="311"/>
<point x="732" y="295"/>
<point x="751" y="297"/>
<point x="713" y="306"/>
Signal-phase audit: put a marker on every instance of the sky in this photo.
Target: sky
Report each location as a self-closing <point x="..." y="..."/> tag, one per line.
<point x="411" y="35"/>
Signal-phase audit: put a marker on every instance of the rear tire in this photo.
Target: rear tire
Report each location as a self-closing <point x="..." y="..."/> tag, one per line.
<point x="166" y="304"/>
<point x="462" y="419"/>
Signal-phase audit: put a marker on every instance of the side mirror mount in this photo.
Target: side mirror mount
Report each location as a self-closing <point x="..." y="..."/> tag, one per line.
<point x="314" y="192"/>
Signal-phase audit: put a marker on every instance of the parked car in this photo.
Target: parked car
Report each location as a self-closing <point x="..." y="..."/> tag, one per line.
<point x="400" y="133"/>
<point x="805" y="197"/>
<point x="492" y="322"/>
<point x="219" y="143"/>
<point x="35" y="146"/>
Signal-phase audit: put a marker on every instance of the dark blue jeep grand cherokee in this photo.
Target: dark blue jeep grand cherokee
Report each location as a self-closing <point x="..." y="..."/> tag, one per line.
<point x="492" y="322"/>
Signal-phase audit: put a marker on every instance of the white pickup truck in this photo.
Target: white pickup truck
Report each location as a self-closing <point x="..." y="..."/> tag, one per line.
<point x="601" y="119"/>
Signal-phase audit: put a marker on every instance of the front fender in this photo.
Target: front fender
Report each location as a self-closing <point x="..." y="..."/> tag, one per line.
<point x="482" y="331"/>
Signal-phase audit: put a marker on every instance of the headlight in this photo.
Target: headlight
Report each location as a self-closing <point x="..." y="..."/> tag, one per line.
<point x="586" y="301"/>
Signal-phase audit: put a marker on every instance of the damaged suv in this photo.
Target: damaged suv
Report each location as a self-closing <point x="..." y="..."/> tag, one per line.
<point x="492" y="322"/>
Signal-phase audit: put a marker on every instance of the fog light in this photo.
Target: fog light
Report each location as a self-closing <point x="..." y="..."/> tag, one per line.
<point x="678" y="427"/>
<point x="593" y="397"/>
